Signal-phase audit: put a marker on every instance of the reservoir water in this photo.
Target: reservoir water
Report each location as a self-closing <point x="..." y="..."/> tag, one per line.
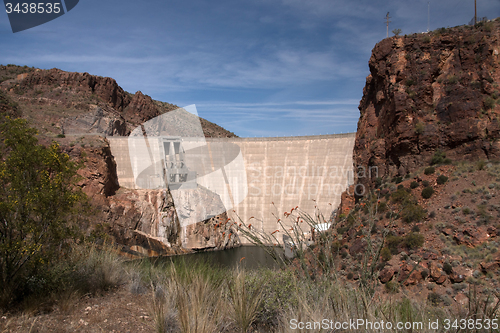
<point x="248" y="257"/>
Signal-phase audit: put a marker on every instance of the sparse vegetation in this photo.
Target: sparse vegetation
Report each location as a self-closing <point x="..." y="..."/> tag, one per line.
<point x="386" y="254"/>
<point x="413" y="240"/>
<point x="392" y="287"/>
<point x="396" y="32"/>
<point x="412" y="212"/>
<point x="452" y="79"/>
<point x="419" y="128"/>
<point x="441" y="179"/>
<point x="427" y="192"/>
<point x="410" y="82"/>
<point x="429" y="170"/>
<point x="489" y="103"/>
<point x="447" y="268"/>
<point x="440" y="158"/>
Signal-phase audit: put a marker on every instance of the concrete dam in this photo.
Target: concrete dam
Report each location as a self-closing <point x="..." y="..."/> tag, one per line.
<point x="280" y="173"/>
<point x="254" y="180"/>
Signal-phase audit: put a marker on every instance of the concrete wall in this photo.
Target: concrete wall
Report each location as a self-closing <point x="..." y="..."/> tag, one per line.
<point x="280" y="173"/>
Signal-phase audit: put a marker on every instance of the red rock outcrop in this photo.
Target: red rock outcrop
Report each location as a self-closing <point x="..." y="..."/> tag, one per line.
<point x="104" y="87"/>
<point x="426" y="93"/>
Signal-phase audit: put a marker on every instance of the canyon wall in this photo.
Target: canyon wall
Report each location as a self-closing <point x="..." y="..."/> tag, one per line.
<point x="428" y="93"/>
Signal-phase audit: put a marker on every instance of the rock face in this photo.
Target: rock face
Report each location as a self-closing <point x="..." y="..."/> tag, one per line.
<point x="96" y="121"/>
<point x="104" y="87"/>
<point x="427" y="93"/>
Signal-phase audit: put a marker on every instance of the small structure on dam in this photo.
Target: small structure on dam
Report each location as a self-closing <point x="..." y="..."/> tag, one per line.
<point x="254" y="180"/>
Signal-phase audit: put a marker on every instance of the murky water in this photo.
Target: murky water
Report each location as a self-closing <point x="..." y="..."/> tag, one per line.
<point x="248" y="257"/>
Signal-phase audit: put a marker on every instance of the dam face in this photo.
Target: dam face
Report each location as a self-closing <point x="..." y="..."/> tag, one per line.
<point x="255" y="180"/>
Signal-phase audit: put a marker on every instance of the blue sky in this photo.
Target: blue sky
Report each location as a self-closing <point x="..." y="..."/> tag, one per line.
<point x="255" y="67"/>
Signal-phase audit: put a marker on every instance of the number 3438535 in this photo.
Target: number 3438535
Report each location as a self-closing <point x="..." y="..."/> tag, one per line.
<point x="33" y="8"/>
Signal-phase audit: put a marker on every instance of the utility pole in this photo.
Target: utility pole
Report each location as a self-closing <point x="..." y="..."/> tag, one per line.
<point x="475" y="13"/>
<point x="387" y="17"/>
<point x="429" y="15"/>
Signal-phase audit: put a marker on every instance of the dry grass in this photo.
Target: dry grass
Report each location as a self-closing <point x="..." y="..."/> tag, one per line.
<point x="199" y="298"/>
<point x="244" y="303"/>
<point x="193" y="305"/>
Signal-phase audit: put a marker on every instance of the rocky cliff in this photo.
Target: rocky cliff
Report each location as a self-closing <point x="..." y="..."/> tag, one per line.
<point x="428" y="93"/>
<point x="79" y="111"/>
<point x="428" y="165"/>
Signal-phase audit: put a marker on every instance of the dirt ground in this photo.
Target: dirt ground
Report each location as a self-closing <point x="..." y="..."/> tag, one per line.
<point x="115" y="311"/>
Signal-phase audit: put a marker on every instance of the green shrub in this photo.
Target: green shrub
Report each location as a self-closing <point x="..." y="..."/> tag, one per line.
<point x="442" y="179"/>
<point x="410" y="82"/>
<point x="489" y="103"/>
<point x="392" y="242"/>
<point x="401" y="195"/>
<point x="475" y="85"/>
<point x="382" y="207"/>
<point x="342" y="230"/>
<point x="447" y="268"/>
<point x="452" y="79"/>
<point x="434" y="298"/>
<point x="386" y="254"/>
<point x="413" y="240"/>
<point x="61" y="135"/>
<point x="39" y="207"/>
<point x="336" y="246"/>
<point x="427" y="192"/>
<point x="425" y="183"/>
<point x="429" y="171"/>
<point x="412" y="213"/>
<point x="413" y="184"/>
<point x="438" y="157"/>
<point x="419" y="128"/>
<point x="392" y="287"/>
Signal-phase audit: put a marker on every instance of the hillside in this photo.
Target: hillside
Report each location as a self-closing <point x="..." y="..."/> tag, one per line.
<point x="58" y="102"/>
<point x="423" y="216"/>
<point x="78" y="111"/>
